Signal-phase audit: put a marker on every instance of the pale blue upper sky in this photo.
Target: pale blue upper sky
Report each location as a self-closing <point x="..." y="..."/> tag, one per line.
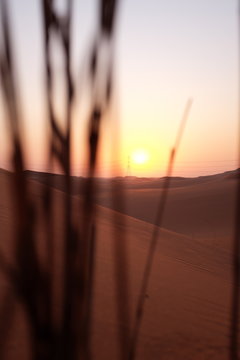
<point x="166" y="51"/>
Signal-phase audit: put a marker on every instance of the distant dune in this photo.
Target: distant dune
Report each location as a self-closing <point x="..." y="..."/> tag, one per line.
<point x="195" y="206"/>
<point x="201" y="206"/>
<point x="187" y="306"/>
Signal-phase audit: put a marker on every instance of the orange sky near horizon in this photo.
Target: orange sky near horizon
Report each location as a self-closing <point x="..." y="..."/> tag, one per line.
<point x="166" y="52"/>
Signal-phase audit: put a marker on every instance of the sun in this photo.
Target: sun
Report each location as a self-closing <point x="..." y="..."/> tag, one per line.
<point x="140" y="157"/>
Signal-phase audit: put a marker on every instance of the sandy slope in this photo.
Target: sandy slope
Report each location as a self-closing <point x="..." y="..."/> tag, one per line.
<point x="187" y="308"/>
<point x="198" y="207"/>
<point x="202" y="206"/>
<point x="187" y="304"/>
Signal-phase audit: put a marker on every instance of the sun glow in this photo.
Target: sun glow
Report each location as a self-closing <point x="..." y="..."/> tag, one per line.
<point x="140" y="157"/>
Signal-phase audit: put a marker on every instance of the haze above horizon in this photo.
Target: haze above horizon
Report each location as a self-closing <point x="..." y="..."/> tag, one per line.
<point x="166" y="52"/>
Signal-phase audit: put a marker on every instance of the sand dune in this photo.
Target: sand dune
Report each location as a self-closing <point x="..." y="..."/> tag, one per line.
<point x="201" y="206"/>
<point x="195" y="206"/>
<point x="187" y="304"/>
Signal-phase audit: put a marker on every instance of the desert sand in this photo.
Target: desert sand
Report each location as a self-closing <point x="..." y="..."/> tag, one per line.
<point x="187" y="305"/>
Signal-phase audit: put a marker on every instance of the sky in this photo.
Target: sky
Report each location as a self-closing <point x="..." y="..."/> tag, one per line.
<point x="166" y="51"/>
